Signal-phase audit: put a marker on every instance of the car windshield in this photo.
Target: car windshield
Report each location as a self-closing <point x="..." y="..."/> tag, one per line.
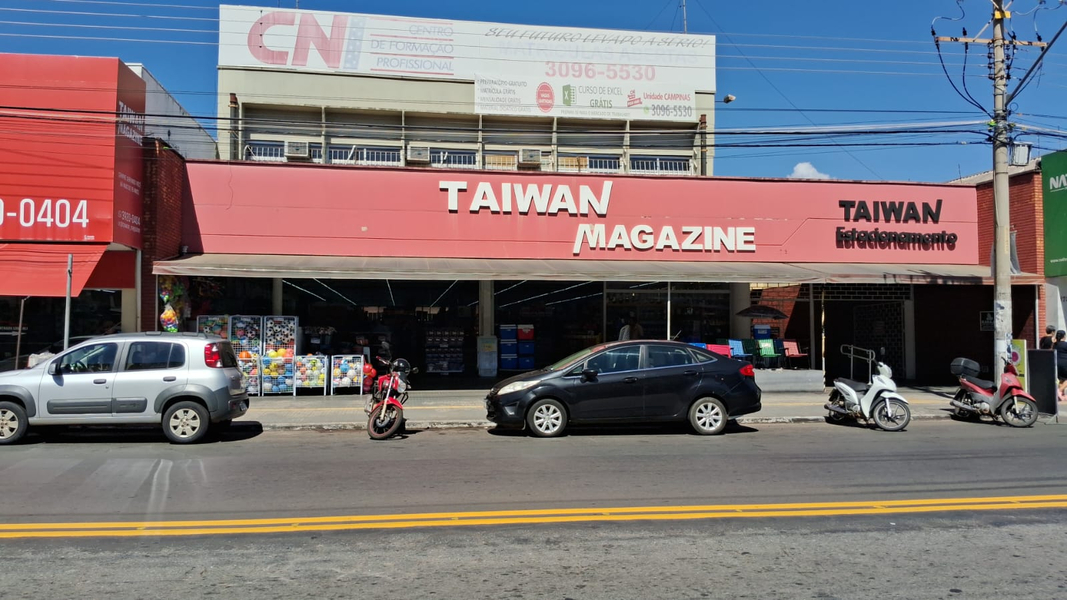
<point x="573" y="358"/>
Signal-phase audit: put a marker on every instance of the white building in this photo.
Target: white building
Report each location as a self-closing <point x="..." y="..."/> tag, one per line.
<point x="168" y="121"/>
<point x="355" y="89"/>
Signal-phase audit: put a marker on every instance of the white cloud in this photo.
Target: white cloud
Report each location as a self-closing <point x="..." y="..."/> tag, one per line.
<point x="806" y="170"/>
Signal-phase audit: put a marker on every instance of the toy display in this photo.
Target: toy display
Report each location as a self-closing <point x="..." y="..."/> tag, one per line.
<point x="279" y="353"/>
<point x="246" y="337"/>
<point x="309" y="372"/>
<point x="348" y="372"/>
<point x="172" y="293"/>
<point x="214" y="325"/>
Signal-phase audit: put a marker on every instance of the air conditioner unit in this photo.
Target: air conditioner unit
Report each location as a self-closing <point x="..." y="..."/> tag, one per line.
<point x="418" y="154"/>
<point x="297" y="150"/>
<point x="529" y="156"/>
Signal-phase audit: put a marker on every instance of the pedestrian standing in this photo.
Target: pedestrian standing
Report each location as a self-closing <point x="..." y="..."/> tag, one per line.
<point x="1046" y="342"/>
<point x="1061" y="362"/>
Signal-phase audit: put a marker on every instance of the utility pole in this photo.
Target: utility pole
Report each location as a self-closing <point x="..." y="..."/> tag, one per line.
<point x="1001" y="208"/>
<point x="1001" y="137"/>
<point x="685" y="19"/>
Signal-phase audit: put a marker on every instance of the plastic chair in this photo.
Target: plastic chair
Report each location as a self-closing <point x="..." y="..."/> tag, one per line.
<point x="766" y="350"/>
<point x="752" y="349"/>
<point x="721" y="349"/>
<point x="737" y="350"/>
<point x="792" y="351"/>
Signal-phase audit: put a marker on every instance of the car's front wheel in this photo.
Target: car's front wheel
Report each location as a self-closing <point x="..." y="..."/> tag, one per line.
<point x="13" y="423"/>
<point x="708" y="416"/>
<point x="547" y="418"/>
<point x="185" y="422"/>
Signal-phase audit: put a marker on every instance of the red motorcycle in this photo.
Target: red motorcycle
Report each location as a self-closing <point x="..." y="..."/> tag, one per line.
<point x="977" y="397"/>
<point x="386" y="404"/>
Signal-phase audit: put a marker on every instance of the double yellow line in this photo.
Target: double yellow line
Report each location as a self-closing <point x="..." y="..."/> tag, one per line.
<point x="521" y="517"/>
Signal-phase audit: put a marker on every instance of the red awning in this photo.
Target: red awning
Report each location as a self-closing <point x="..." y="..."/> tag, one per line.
<point x="41" y="269"/>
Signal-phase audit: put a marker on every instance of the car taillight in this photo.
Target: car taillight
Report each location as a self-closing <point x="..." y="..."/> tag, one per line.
<point x="748" y="370"/>
<point x="213" y="356"/>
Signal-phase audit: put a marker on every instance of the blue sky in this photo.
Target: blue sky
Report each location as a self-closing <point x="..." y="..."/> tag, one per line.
<point x="790" y="64"/>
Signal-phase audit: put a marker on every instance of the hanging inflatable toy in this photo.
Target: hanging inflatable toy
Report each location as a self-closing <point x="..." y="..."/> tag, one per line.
<point x="169" y="319"/>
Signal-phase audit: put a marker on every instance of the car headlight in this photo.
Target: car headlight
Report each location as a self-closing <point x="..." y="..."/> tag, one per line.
<point x="518" y="386"/>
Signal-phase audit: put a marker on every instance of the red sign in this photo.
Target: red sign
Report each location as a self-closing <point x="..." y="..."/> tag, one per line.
<point x="64" y="155"/>
<point x="343" y="211"/>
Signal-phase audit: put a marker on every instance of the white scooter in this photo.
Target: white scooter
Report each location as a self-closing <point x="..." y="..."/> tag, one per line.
<point x="876" y="400"/>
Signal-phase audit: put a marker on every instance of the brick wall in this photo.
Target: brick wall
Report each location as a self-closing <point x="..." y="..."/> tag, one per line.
<point x="1027" y="221"/>
<point x="164" y="182"/>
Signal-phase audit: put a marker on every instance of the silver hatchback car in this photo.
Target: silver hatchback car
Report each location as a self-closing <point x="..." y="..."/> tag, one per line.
<point x="189" y="383"/>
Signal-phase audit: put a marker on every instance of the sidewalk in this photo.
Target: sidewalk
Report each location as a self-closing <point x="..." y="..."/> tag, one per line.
<point x="466" y="408"/>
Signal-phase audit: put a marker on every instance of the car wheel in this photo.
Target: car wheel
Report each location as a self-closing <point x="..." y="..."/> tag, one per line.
<point x="708" y="416"/>
<point x="185" y="423"/>
<point x="13" y="423"/>
<point x="547" y="418"/>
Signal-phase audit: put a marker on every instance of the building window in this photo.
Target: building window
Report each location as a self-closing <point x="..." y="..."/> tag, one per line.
<point x="501" y="161"/>
<point x="262" y="151"/>
<point x="589" y="164"/>
<point x="453" y="159"/>
<point x="366" y="156"/>
<point x="661" y="165"/>
<point x="265" y="151"/>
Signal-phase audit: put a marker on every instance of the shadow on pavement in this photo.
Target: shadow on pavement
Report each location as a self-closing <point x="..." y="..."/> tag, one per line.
<point x="132" y="434"/>
<point x="624" y="430"/>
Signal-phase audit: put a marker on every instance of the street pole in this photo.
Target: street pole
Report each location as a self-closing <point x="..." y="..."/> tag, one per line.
<point x="685" y="19"/>
<point x="1002" y="321"/>
<point x="66" y="311"/>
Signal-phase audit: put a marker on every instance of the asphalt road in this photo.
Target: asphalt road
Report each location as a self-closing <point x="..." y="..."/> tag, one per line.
<point x="134" y="477"/>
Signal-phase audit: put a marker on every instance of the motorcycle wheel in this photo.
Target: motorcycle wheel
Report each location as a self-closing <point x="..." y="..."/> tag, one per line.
<point x="387" y="425"/>
<point x="901" y="415"/>
<point x="1024" y="415"/>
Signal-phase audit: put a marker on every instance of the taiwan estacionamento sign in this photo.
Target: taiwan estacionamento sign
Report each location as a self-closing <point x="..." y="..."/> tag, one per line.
<point x="344" y="211"/>
<point x="517" y="69"/>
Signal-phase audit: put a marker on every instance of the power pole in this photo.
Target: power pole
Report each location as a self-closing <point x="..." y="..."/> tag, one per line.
<point x="1001" y="208"/>
<point x="1002" y="308"/>
<point x="685" y="19"/>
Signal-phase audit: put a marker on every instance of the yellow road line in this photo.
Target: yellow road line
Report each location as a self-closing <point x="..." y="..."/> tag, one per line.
<point x="522" y="517"/>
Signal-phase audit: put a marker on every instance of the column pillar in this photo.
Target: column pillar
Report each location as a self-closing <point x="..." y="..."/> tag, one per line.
<point x="740" y="327"/>
<point x="277" y="306"/>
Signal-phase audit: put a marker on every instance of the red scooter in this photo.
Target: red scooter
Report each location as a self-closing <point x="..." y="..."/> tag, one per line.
<point x="385" y="408"/>
<point x="977" y="397"/>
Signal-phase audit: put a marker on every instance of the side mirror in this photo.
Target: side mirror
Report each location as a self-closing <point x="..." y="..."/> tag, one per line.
<point x="53" y="367"/>
<point x="588" y="375"/>
<point x="414" y="370"/>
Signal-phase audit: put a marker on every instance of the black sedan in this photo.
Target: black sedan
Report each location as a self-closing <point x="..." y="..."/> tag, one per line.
<point x="642" y="381"/>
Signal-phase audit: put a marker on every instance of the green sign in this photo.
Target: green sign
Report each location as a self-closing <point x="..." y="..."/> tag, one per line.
<point x="570" y="95"/>
<point x="1054" y="179"/>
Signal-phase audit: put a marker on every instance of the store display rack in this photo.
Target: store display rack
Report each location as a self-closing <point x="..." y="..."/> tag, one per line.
<point x="311" y="373"/>
<point x="279" y="353"/>
<point x="444" y="350"/>
<point x="346" y="372"/>
<point x="247" y="340"/>
<point x="214" y="325"/>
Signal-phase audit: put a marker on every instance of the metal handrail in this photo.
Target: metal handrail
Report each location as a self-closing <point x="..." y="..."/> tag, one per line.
<point x="855" y="352"/>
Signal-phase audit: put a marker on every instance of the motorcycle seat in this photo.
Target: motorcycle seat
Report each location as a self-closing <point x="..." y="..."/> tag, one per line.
<point x="985" y="384"/>
<point x="859" y="386"/>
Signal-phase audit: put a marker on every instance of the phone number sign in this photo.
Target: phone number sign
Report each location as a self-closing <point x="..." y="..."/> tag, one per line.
<point x="594" y="97"/>
<point x="54" y="219"/>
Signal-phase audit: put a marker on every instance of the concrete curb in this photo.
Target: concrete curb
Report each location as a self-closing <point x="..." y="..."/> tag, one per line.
<point x="489" y="425"/>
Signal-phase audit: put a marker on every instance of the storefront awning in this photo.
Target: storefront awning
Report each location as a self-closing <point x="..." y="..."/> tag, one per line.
<point x="41" y="269"/>
<point x="332" y="267"/>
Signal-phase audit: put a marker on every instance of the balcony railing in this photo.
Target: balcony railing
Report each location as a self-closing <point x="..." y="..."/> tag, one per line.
<point x="355" y="155"/>
<point x="661" y="165"/>
<point x="274" y="151"/>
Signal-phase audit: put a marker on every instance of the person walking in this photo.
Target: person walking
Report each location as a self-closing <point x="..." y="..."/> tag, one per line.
<point x="632" y="330"/>
<point x="1046" y="342"/>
